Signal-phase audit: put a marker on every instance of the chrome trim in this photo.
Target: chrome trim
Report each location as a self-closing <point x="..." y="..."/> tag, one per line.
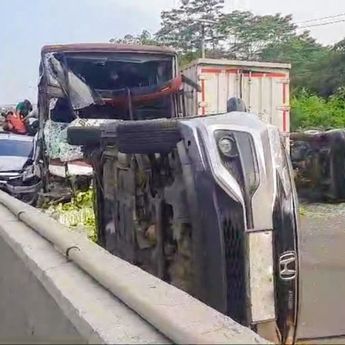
<point x="9" y="175"/>
<point x="264" y="197"/>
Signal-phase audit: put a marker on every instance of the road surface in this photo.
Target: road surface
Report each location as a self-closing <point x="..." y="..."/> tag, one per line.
<point x="322" y="244"/>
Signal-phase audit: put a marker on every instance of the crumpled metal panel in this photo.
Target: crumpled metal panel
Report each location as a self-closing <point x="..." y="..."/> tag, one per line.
<point x="79" y="93"/>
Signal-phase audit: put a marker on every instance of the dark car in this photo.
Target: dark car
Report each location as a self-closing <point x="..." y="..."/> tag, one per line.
<point x="19" y="174"/>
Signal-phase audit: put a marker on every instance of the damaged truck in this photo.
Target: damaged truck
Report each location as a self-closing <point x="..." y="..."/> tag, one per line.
<point x="318" y="158"/>
<point x="85" y="84"/>
<point x="206" y="203"/>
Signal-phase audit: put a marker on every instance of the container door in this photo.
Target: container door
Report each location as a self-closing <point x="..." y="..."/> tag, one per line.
<point x="218" y="84"/>
<point x="267" y="94"/>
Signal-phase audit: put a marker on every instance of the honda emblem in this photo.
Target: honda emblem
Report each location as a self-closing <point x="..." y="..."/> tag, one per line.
<point x="288" y="266"/>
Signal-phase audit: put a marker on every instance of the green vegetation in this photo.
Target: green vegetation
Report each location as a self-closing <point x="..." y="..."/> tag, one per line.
<point x="318" y="72"/>
<point x="77" y="214"/>
<point x="310" y="111"/>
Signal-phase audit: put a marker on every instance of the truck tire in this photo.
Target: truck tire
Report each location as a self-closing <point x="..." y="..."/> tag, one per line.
<point x="236" y="104"/>
<point x="83" y="136"/>
<point x="148" y="137"/>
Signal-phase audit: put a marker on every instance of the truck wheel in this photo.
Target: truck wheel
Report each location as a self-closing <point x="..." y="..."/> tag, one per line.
<point x="80" y="136"/>
<point x="147" y="137"/>
<point x="236" y="104"/>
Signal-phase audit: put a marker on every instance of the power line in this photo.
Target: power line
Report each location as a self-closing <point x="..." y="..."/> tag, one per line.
<point x="321" y="24"/>
<point x="322" y="18"/>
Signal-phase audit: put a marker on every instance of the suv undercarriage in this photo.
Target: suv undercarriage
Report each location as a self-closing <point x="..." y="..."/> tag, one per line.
<point x="207" y="204"/>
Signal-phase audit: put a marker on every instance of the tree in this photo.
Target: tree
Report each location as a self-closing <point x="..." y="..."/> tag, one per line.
<point x="318" y="68"/>
<point x="327" y="75"/>
<point x="243" y="35"/>
<point x="246" y="35"/>
<point x="302" y="52"/>
<point x="187" y="26"/>
<point x="145" y="38"/>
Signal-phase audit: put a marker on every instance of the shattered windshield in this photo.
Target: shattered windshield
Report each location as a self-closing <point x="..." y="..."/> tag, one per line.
<point x="108" y="85"/>
<point x="120" y="72"/>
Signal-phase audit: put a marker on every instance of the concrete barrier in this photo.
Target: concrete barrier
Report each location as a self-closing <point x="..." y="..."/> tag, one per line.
<point x="46" y="298"/>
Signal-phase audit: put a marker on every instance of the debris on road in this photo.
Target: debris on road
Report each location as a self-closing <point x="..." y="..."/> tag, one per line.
<point x="322" y="210"/>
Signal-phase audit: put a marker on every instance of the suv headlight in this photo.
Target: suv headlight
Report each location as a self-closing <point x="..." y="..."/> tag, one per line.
<point x="30" y="172"/>
<point x="227" y="146"/>
<point x="238" y="156"/>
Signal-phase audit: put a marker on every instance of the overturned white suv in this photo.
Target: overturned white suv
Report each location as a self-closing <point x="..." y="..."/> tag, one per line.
<point x="205" y="203"/>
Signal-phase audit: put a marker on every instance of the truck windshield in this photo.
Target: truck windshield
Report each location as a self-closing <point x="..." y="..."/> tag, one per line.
<point x="15" y="148"/>
<point x="114" y="86"/>
<point x="115" y="72"/>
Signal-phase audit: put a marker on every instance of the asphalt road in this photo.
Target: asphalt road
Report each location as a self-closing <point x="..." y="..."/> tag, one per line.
<point x="322" y="244"/>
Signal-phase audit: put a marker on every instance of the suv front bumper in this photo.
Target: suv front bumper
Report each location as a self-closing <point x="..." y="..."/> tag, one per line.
<point x="248" y="221"/>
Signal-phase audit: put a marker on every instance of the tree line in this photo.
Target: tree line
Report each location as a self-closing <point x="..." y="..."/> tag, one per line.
<point x="318" y="71"/>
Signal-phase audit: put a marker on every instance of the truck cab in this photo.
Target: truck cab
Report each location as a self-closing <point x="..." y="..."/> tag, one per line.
<point x="91" y="83"/>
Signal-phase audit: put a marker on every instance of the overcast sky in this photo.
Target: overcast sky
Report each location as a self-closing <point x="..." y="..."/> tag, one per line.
<point x="27" y="25"/>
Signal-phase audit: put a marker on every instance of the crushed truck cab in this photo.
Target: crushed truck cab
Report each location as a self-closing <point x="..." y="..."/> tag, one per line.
<point x="97" y="82"/>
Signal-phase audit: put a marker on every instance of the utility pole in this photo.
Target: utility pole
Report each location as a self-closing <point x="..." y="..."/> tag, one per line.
<point x="203" y="31"/>
<point x="203" y="34"/>
<point x="203" y="54"/>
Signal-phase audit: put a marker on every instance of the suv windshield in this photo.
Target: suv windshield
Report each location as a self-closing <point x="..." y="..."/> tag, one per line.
<point x="15" y="148"/>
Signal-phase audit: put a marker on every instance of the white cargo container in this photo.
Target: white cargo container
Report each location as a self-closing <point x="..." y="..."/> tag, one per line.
<point x="263" y="86"/>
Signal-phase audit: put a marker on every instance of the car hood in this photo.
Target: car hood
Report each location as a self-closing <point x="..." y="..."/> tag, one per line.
<point x="12" y="163"/>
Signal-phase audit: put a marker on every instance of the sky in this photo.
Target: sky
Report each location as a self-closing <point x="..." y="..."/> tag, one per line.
<point x="27" y="25"/>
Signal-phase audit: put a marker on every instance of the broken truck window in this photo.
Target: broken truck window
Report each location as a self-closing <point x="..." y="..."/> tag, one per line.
<point x="114" y="86"/>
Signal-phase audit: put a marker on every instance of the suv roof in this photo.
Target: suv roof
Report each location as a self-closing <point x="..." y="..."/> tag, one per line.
<point x="107" y="47"/>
